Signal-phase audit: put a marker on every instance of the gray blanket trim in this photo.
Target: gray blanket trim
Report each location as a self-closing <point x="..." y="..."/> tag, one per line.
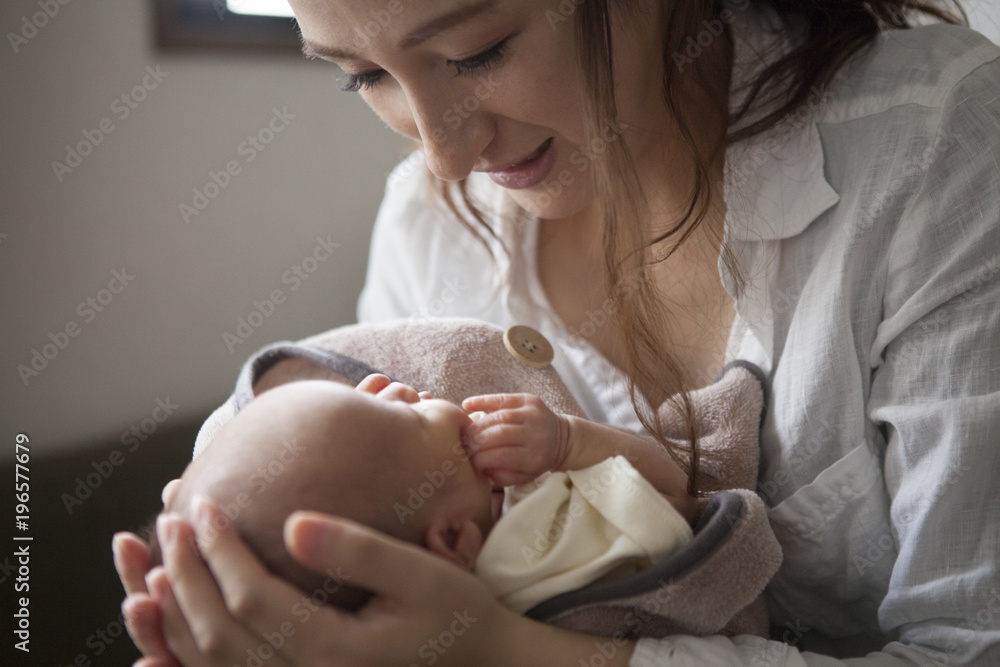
<point x="716" y="525"/>
<point x="268" y="356"/>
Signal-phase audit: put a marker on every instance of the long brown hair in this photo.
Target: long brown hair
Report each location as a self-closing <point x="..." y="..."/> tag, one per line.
<point x="824" y="35"/>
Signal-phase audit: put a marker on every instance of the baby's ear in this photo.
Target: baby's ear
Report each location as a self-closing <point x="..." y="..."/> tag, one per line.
<point x="456" y="540"/>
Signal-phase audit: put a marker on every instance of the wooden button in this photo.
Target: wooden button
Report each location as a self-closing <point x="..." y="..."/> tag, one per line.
<point x="528" y="346"/>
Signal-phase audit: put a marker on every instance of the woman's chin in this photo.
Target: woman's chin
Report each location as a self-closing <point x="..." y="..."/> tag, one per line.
<point x="553" y="203"/>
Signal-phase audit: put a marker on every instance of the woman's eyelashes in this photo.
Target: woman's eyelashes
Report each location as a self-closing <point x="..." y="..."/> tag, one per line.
<point x="483" y="61"/>
<point x="354" y="82"/>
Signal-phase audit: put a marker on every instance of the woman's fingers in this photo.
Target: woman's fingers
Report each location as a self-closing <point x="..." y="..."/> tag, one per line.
<point x="156" y="662"/>
<point x="141" y="612"/>
<point x="199" y="628"/>
<point x="368" y="558"/>
<point x="256" y="598"/>
<point x="172" y="623"/>
<point x="169" y="491"/>
<point x="131" y="557"/>
<point x="142" y="620"/>
<point x="418" y="595"/>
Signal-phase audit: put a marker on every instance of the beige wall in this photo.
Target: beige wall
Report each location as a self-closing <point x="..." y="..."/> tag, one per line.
<point x="162" y="336"/>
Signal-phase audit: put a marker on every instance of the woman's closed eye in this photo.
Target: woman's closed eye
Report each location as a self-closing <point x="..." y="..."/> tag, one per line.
<point x="481" y="62"/>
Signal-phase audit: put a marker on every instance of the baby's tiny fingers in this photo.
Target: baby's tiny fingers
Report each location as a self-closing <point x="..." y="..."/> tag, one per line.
<point x="397" y="391"/>
<point x="374" y="383"/>
<point x="492" y="402"/>
<point x="479" y="438"/>
<point x="505" y="459"/>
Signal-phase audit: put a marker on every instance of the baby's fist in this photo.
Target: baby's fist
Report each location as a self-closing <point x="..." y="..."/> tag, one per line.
<point x="518" y="439"/>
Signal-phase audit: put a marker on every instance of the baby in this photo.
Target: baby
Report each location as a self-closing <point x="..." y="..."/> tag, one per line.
<point x="420" y="469"/>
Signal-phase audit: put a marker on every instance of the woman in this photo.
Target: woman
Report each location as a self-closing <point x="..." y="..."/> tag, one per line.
<point x="771" y="180"/>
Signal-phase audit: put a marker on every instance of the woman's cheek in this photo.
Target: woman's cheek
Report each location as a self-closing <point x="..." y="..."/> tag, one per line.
<point x="394" y="112"/>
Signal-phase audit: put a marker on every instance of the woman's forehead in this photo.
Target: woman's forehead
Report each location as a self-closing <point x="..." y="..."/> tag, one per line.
<point x="343" y="29"/>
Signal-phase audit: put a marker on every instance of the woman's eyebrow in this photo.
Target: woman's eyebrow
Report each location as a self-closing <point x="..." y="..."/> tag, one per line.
<point x="433" y="27"/>
<point x="446" y="21"/>
<point x="310" y="50"/>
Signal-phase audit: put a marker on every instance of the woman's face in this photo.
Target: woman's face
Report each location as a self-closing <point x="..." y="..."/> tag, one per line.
<point x="485" y="85"/>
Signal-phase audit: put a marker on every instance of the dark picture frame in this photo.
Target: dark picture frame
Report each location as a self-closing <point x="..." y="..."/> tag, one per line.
<point x="183" y="25"/>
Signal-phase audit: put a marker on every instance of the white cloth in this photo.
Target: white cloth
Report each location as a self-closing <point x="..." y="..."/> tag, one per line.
<point x="872" y="232"/>
<point x="575" y="527"/>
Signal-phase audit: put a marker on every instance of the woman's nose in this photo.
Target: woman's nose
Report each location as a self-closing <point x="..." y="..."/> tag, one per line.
<point x="454" y="130"/>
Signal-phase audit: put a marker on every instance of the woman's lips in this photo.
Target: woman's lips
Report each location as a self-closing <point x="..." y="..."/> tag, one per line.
<point x="530" y="171"/>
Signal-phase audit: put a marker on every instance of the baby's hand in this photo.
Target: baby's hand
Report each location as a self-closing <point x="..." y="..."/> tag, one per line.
<point x="518" y="439"/>
<point x="382" y="387"/>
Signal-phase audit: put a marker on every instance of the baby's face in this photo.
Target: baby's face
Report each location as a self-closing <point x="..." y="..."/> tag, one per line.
<point x="429" y="433"/>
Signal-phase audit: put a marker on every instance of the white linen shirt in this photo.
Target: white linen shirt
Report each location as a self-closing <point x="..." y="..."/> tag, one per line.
<point x="870" y="229"/>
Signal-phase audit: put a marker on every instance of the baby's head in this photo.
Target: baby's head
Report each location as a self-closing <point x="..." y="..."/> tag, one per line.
<point x="314" y="445"/>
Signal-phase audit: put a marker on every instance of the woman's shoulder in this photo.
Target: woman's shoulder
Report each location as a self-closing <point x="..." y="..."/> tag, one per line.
<point x="924" y="67"/>
<point x="910" y="142"/>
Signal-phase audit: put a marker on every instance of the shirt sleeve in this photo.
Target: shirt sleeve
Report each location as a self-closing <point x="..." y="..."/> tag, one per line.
<point x="936" y="389"/>
<point x="935" y="397"/>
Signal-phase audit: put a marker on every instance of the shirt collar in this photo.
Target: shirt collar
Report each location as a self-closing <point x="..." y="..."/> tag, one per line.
<point x="775" y="184"/>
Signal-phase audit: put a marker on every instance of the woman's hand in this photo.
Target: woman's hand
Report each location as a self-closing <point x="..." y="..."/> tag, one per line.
<point x="518" y="439"/>
<point x="425" y="609"/>
<point x="140" y="610"/>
